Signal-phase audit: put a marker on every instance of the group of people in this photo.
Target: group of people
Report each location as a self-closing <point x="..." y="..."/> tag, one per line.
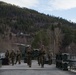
<point x="13" y="57"/>
<point x="16" y="56"/>
<point x="40" y="58"/>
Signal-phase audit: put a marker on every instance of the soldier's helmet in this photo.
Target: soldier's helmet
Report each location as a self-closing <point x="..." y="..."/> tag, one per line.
<point x="42" y="46"/>
<point x="29" y="48"/>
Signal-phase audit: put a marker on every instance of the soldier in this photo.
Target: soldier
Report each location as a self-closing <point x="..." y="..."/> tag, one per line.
<point x="7" y="56"/>
<point x="12" y="56"/>
<point x="39" y="57"/>
<point x="42" y="53"/>
<point x="29" y="56"/>
<point x="50" y="59"/>
<point x="18" y="57"/>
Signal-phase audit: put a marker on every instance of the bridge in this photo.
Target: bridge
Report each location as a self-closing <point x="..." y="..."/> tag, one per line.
<point x="23" y="69"/>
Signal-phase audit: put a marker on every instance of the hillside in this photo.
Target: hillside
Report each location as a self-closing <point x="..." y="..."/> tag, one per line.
<point x="24" y="19"/>
<point x="15" y="20"/>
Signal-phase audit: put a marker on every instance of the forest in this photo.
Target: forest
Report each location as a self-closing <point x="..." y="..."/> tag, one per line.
<point x="55" y="33"/>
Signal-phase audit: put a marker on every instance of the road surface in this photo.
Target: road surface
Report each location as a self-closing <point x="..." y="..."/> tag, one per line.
<point x="23" y="69"/>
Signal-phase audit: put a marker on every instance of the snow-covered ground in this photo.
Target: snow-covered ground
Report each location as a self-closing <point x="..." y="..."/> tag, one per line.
<point x="23" y="69"/>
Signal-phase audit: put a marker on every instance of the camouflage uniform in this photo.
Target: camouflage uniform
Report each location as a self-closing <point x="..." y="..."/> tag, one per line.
<point x="41" y="57"/>
<point x="18" y="57"/>
<point x="50" y="59"/>
<point x="29" y="56"/>
<point x="7" y="56"/>
<point x="12" y="56"/>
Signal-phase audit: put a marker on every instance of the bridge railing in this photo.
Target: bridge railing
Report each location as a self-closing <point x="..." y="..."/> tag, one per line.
<point x="61" y="61"/>
<point x="72" y="62"/>
<point x="65" y="61"/>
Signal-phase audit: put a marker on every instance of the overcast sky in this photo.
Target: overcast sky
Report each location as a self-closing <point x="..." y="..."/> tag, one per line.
<point x="60" y="8"/>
